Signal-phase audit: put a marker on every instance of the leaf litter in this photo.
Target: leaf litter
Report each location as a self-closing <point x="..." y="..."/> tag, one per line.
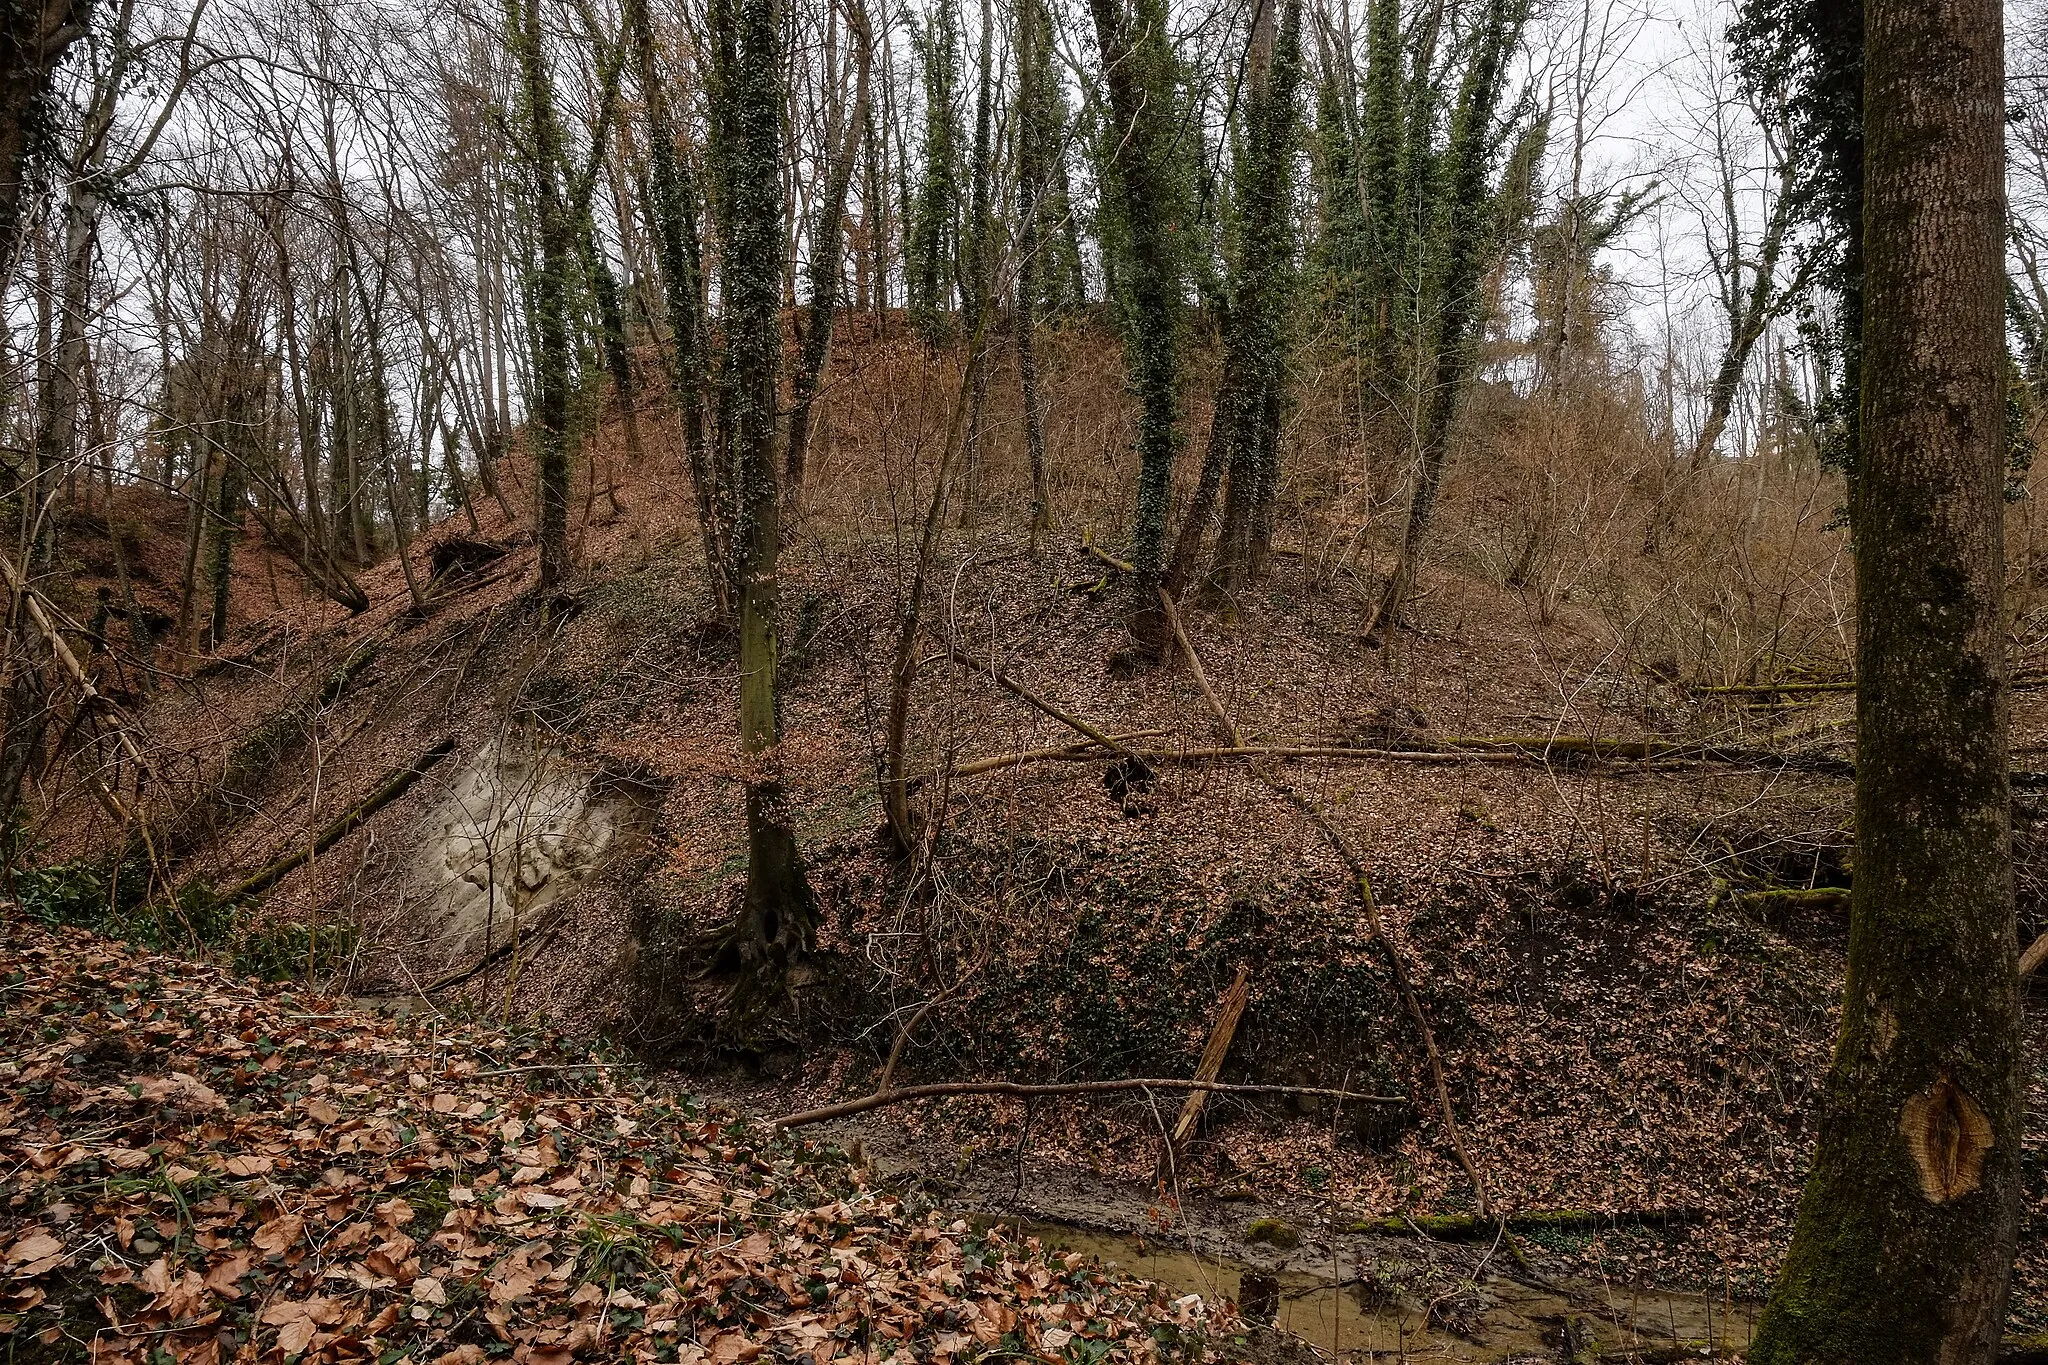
<point x="197" y="1168"/>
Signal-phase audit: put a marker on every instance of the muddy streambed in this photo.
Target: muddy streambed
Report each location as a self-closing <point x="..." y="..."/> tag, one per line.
<point x="1351" y="1312"/>
<point x="1358" y="1296"/>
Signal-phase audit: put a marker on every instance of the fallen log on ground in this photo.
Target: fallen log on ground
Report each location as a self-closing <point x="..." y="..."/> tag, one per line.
<point x="1021" y="1090"/>
<point x="393" y="787"/>
<point x="1086" y="749"/>
<point x="1794" y="900"/>
<point x="1467" y="1227"/>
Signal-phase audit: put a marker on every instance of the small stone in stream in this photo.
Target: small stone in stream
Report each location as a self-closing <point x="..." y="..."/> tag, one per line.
<point x="1258" y="1297"/>
<point x="1274" y="1232"/>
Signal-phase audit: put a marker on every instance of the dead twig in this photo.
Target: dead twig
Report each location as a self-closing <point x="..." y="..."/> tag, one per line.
<point x="1402" y="984"/>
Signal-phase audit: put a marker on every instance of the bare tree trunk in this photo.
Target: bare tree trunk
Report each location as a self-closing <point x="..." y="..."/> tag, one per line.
<point x="827" y="254"/>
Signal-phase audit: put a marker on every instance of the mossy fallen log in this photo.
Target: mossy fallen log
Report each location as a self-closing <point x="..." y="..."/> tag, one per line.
<point x="1798" y="900"/>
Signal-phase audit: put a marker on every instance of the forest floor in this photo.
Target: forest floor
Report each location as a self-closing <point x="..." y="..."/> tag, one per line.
<point x="1633" y="1042"/>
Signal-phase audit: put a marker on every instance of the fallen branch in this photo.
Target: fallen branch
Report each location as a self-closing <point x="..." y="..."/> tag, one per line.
<point x="536" y="936"/>
<point x="1026" y="695"/>
<point x="1120" y="565"/>
<point x="882" y="1098"/>
<point x="1087" y="748"/>
<point x="1402" y="984"/>
<point x="1077" y="752"/>
<point x="2025" y="683"/>
<point x="1465" y="1227"/>
<point x="2033" y="957"/>
<point x="1211" y="1065"/>
<point x="1641" y="756"/>
<point x="394" y="787"/>
<point x="1225" y="727"/>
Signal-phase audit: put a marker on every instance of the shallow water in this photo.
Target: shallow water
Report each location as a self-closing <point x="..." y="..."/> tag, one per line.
<point x="1351" y="1313"/>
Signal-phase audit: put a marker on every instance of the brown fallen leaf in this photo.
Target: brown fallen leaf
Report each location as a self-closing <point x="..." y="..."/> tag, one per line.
<point x="279" y="1235"/>
<point x="223" y="1278"/>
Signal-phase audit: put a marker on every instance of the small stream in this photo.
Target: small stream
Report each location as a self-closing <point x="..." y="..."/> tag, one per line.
<point x="1348" y="1314"/>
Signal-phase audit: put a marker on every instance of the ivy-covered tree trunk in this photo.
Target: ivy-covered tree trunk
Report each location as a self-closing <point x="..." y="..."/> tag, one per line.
<point x="977" y="272"/>
<point x="779" y="918"/>
<point x="618" y="357"/>
<point x="549" y="295"/>
<point x="1138" y="69"/>
<point x="1037" y="96"/>
<point x="1455" y="257"/>
<point x="1904" y="1243"/>
<point x="933" y="219"/>
<point x="1255" y="364"/>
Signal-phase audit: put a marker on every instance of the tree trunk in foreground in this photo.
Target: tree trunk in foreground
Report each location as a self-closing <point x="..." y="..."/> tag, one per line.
<point x="1904" y="1244"/>
<point x="778" y="920"/>
<point x="33" y="40"/>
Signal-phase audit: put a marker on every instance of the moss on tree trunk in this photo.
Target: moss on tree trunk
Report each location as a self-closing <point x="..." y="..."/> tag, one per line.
<point x="778" y="915"/>
<point x="1904" y="1243"/>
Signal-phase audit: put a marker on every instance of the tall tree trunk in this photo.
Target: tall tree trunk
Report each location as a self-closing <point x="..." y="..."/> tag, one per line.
<point x="672" y="208"/>
<point x="33" y="39"/>
<point x="618" y="358"/>
<point x="57" y="442"/>
<point x="1037" y="93"/>
<point x="779" y="918"/>
<point x="1137" y="63"/>
<point x="1904" y="1243"/>
<point x="977" y="273"/>
<point x="1461" y="233"/>
<point x="549" y="432"/>
<point x="1255" y="363"/>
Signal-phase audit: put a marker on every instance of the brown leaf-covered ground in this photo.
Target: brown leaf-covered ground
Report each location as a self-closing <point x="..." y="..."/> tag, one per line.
<point x="196" y="1169"/>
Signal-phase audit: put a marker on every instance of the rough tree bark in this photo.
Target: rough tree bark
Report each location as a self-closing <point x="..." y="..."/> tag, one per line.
<point x="33" y="40"/>
<point x="1904" y="1243"/>
<point x="550" y="292"/>
<point x="779" y="916"/>
<point x="1137" y="65"/>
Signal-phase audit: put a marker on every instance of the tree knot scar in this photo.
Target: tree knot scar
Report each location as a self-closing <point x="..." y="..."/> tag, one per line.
<point x="1948" y="1136"/>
